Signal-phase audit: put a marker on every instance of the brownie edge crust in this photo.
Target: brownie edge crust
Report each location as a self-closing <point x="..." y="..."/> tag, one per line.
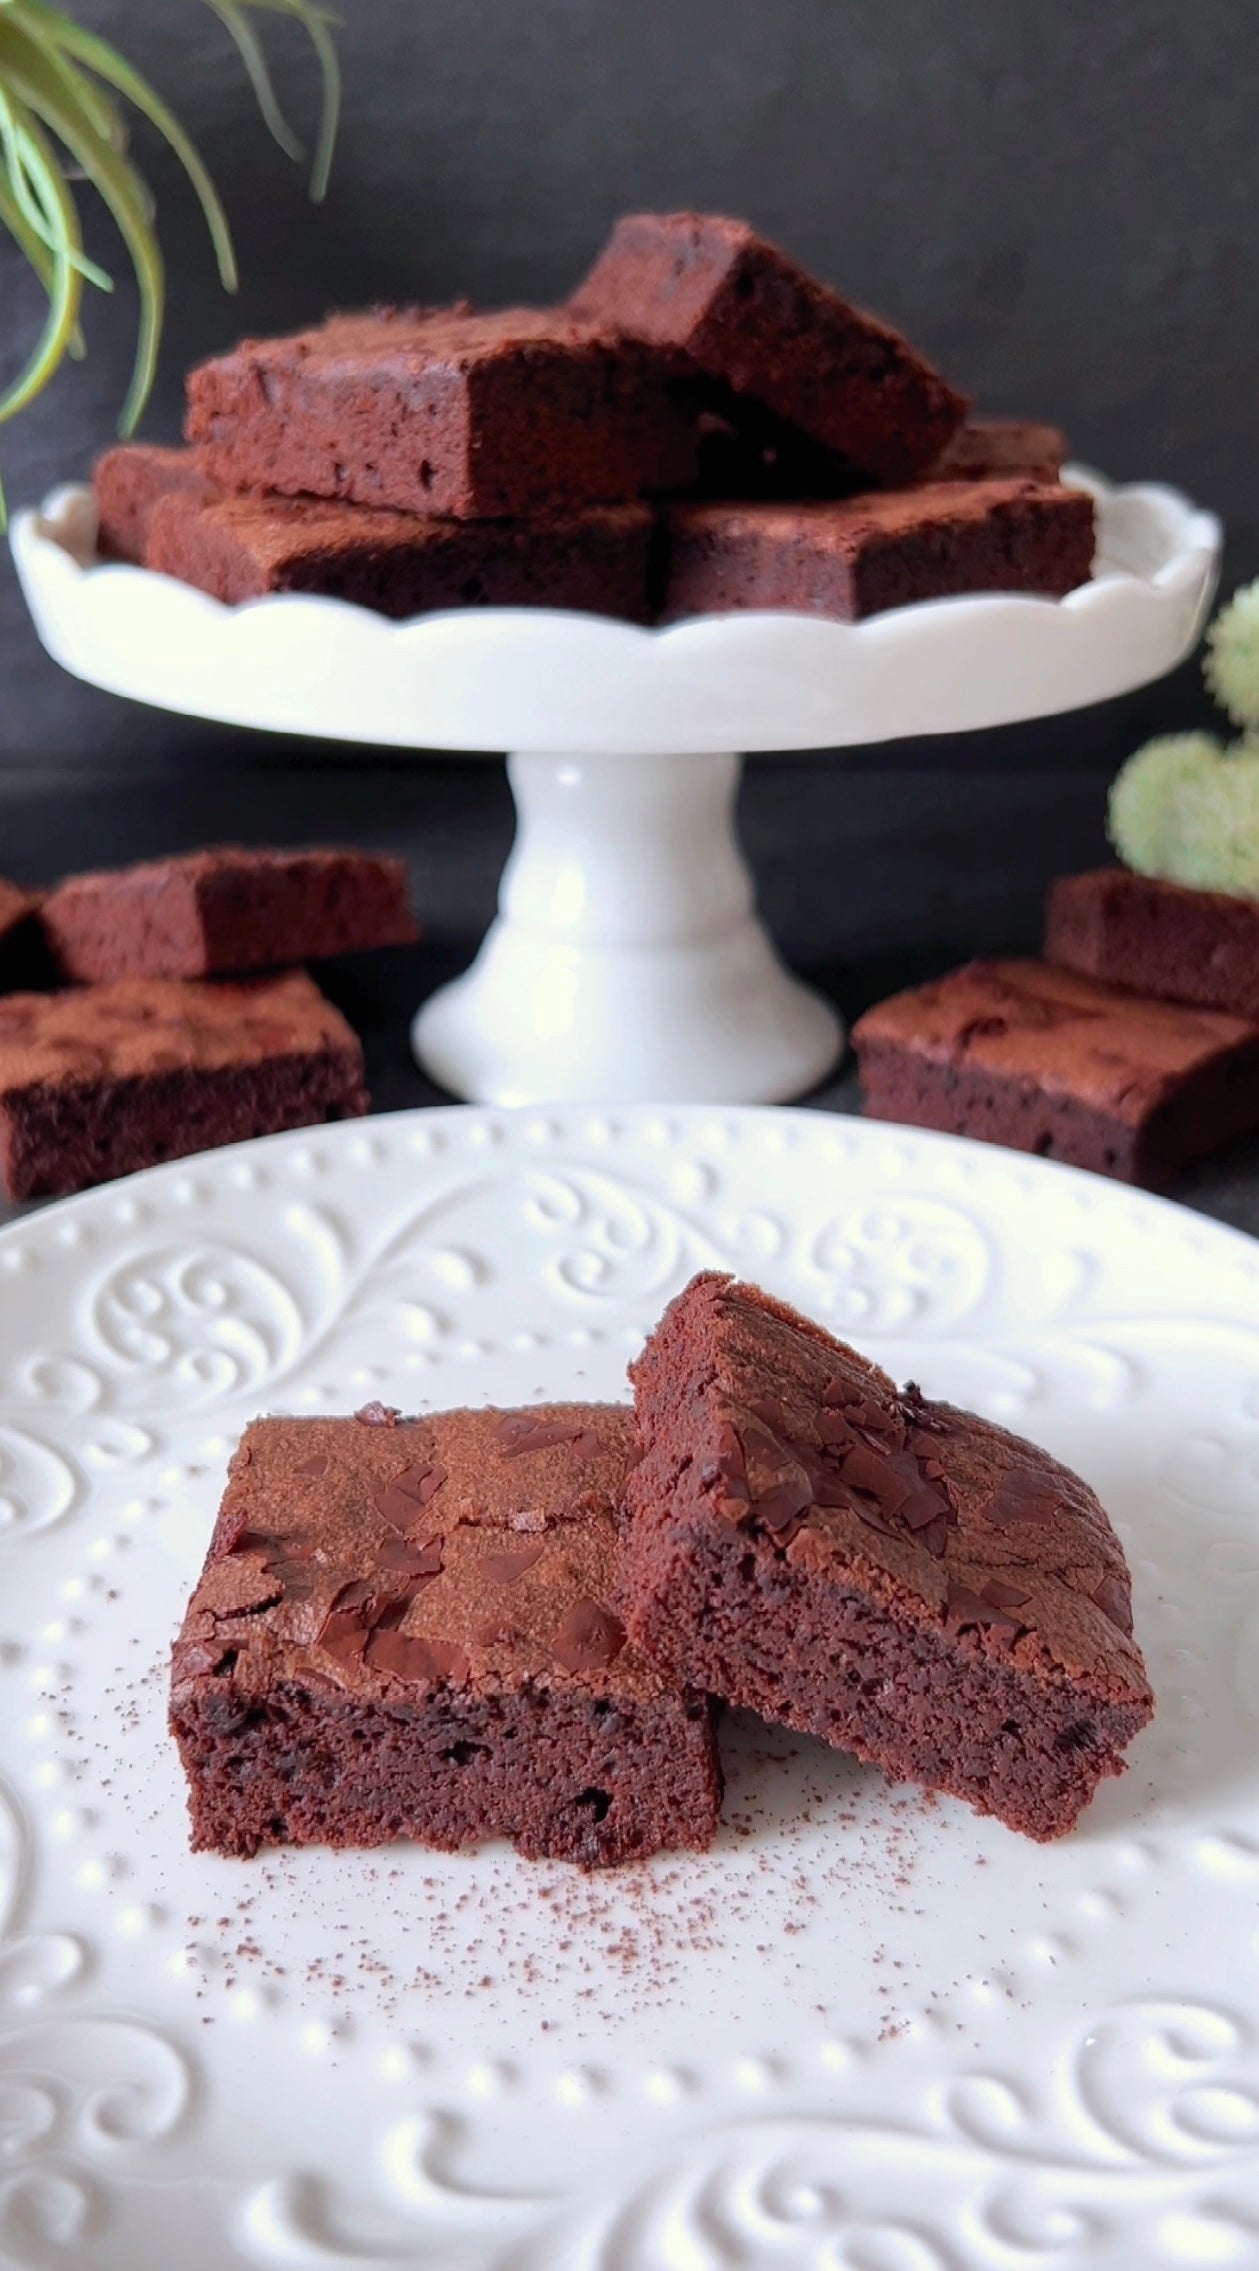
<point x="900" y="1578"/>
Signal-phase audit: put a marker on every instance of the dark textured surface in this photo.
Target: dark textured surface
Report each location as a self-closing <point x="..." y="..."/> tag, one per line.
<point x="1058" y="205"/>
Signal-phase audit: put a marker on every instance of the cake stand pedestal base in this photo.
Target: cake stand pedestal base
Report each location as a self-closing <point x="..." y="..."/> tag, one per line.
<point x="627" y="962"/>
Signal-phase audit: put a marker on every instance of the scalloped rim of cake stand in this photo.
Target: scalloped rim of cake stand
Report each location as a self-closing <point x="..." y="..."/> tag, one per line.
<point x="474" y="679"/>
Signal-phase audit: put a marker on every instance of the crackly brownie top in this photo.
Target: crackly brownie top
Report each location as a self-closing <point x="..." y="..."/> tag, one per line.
<point x="807" y="1442"/>
<point x="149" y="877"/>
<point x="406" y="341"/>
<point x="845" y="524"/>
<point x="1118" y="1052"/>
<point x="378" y="1556"/>
<point x="15" y="906"/>
<point x="140" y="1026"/>
<point x="276" y="530"/>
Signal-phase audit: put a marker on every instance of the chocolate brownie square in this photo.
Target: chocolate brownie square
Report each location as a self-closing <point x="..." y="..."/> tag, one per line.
<point x="103" y="1080"/>
<point x="769" y="336"/>
<point x="894" y="1575"/>
<point x="525" y="411"/>
<point x="407" y="1628"/>
<point x="1040" y="1059"/>
<point x="999" y="449"/>
<point x="404" y="564"/>
<point x="885" y="548"/>
<point x="1158" y="938"/>
<point x="227" y="910"/>
<point x="129" y="482"/>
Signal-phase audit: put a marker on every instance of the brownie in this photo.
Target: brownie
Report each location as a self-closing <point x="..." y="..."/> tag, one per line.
<point x="886" y="548"/>
<point x="997" y="449"/>
<point x="1036" y="1057"/>
<point x="406" y="1628"/>
<point x="769" y="336"/>
<point x="1158" y="938"/>
<point x="129" y="482"/>
<point x="892" y="1574"/>
<point x="404" y="564"/>
<point x="227" y="910"/>
<point x="105" y="1079"/>
<point x="765" y="458"/>
<point x="526" y="410"/>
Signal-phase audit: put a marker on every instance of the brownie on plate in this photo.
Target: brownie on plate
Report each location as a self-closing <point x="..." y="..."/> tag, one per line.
<point x="1025" y="1054"/>
<point x="103" y="1080"/>
<point x="770" y="337"/>
<point x="130" y="481"/>
<point x="407" y="1628"/>
<point x="898" y="1577"/>
<point x="228" y="909"/>
<point x="528" y="410"/>
<point x="1159" y="938"/>
<point x="860" y="555"/>
<point x="400" y="564"/>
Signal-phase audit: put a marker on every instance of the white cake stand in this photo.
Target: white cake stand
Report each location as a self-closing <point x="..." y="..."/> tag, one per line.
<point x="627" y="962"/>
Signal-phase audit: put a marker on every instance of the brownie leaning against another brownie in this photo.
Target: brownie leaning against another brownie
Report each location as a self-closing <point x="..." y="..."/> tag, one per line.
<point x="1035" y="1057"/>
<point x="770" y="337"/>
<point x="885" y="548"/>
<point x="894" y="1575"/>
<point x="104" y="1080"/>
<point x="406" y="1628"/>
<point x="402" y="564"/>
<point x="228" y="909"/>
<point x="1158" y="938"/>
<point x="524" y="411"/>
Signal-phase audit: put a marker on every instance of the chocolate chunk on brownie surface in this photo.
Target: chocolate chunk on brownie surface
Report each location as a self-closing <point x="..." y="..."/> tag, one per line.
<point x="1200" y="947"/>
<point x="407" y="1628"/>
<point x="770" y="337"/>
<point x="103" y="1080"/>
<point x="896" y="1576"/>
<point x="522" y="411"/>
<point x="401" y="564"/>
<point x="1042" y="1059"/>
<point x="885" y="548"/>
<point x="227" y="909"/>
<point x="130" y="482"/>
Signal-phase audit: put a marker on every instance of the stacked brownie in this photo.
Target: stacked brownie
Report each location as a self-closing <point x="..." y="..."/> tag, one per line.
<point x="702" y="427"/>
<point x="488" y="1623"/>
<point x="1132" y="1049"/>
<point x="181" y="1028"/>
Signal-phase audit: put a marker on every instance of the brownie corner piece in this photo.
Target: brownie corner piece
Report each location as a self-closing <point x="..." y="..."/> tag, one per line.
<point x="1044" y="1059"/>
<point x="898" y="1577"/>
<point x="100" y="1081"/>
<point x="410" y="1628"/>
<point x="1154" y="937"/>
<point x="130" y="481"/>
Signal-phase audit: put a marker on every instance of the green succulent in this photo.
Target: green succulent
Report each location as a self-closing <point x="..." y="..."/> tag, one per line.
<point x="1187" y="809"/>
<point x="64" y="98"/>
<point x="1231" y="667"/>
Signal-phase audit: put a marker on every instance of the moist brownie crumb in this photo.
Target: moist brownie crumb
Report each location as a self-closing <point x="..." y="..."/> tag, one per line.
<point x="1036" y="1057"/>
<point x="892" y="1574"/>
<point x="103" y="1080"/>
<point x="499" y="416"/>
<point x="886" y="548"/>
<point x="130" y="482"/>
<point x="400" y="564"/>
<point x="1158" y="938"/>
<point x="409" y="1630"/>
<point x="771" y="338"/>
<point x="225" y="910"/>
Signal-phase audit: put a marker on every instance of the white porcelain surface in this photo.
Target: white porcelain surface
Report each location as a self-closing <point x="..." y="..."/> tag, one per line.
<point x="599" y="980"/>
<point x="866" y="2033"/>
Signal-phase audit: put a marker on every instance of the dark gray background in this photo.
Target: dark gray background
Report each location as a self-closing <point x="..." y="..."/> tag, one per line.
<point x="1061" y="203"/>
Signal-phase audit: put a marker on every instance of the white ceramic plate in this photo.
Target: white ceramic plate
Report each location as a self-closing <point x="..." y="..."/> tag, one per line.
<point x="866" y="2031"/>
<point x="541" y="679"/>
